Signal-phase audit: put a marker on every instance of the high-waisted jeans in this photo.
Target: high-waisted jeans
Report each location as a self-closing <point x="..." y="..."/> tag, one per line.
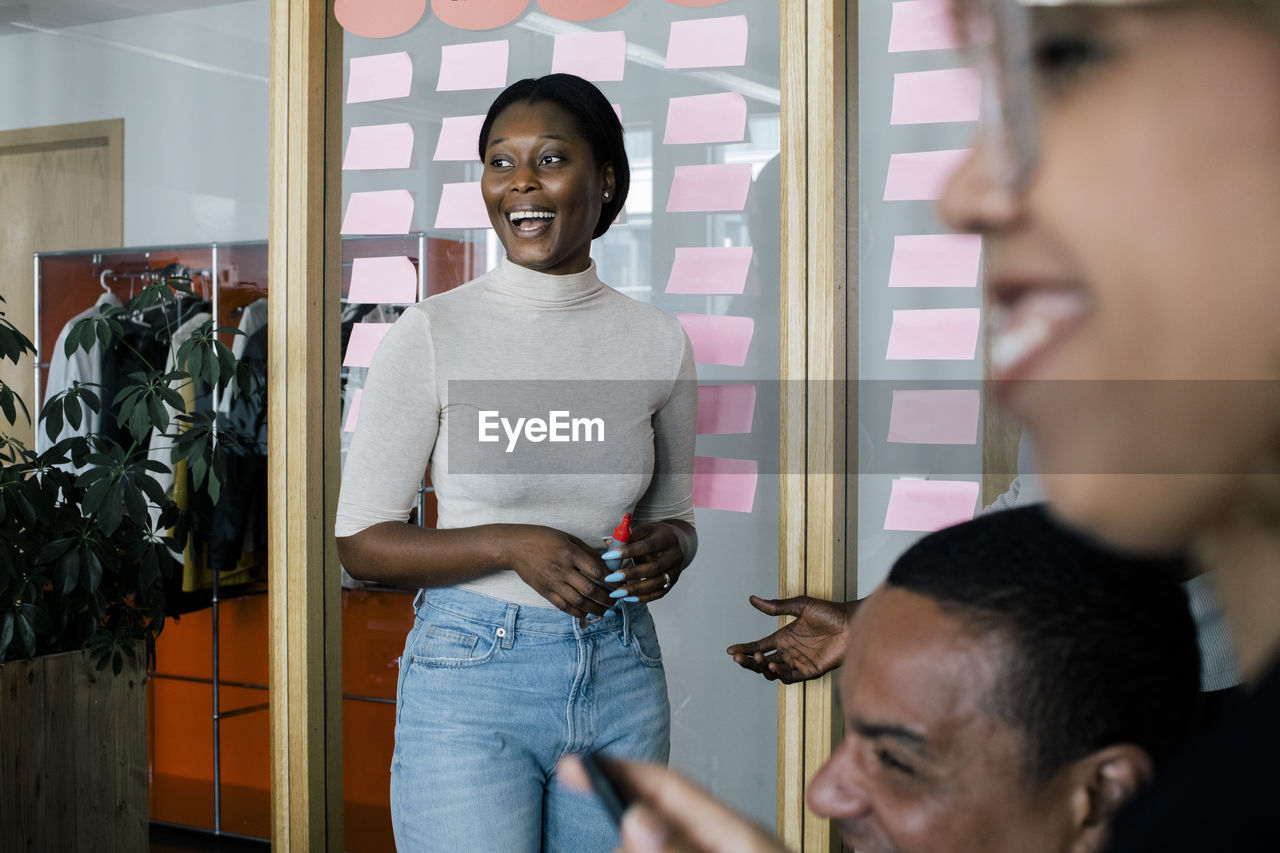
<point x="491" y="695"/>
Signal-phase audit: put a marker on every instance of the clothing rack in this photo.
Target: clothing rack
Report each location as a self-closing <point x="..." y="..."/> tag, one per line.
<point x="101" y="259"/>
<point x="144" y="276"/>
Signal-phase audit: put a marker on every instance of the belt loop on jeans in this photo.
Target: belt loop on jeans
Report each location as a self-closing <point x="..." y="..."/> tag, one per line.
<point x="626" y="623"/>
<point x="509" y="628"/>
<point x="417" y="598"/>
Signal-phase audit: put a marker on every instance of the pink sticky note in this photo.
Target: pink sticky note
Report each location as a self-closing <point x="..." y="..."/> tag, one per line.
<point x="378" y="20"/>
<point x="462" y="206"/>
<point x="353" y="411"/>
<point x="706" y="119"/>
<point x="921" y="25"/>
<point x="459" y="138"/>
<point x="482" y="65"/>
<point x="935" y="260"/>
<point x="715" y="269"/>
<point x="708" y="43"/>
<point x="376" y="78"/>
<point x="947" y="334"/>
<point x="929" y="505"/>
<point x="728" y="484"/>
<point x="921" y="175"/>
<point x="590" y="55"/>
<point x="379" y="146"/>
<point x="928" y="97"/>
<point x="365" y="338"/>
<point x="718" y="339"/>
<point x="381" y="212"/>
<point x="726" y="409"/>
<point x="705" y="189"/>
<point x="390" y="280"/>
<point x="934" y="417"/>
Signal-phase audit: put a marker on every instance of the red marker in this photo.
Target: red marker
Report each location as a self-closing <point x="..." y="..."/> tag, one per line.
<point x="621" y="536"/>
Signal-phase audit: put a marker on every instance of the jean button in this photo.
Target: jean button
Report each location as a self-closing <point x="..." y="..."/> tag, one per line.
<point x="502" y="632"/>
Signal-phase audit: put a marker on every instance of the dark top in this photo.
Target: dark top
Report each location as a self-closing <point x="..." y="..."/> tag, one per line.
<point x="1223" y="795"/>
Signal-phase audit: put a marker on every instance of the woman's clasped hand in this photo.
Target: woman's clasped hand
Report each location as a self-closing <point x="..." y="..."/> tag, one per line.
<point x="572" y="575"/>
<point x="652" y="561"/>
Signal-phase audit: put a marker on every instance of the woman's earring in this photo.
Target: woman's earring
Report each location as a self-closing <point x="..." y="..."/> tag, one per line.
<point x="606" y="196"/>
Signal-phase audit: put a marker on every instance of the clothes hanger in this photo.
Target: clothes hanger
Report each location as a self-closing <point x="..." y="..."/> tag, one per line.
<point x="102" y="280"/>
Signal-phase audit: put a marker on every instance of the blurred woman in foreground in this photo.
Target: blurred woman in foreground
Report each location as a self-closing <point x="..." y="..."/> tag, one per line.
<point x="1127" y="186"/>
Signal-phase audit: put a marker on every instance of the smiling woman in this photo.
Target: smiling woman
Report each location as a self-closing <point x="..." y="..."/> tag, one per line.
<point x="518" y="618"/>
<point x="547" y="191"/>
<point x="1128" y="202"/>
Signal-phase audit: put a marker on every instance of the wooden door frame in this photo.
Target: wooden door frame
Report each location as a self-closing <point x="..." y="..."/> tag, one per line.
<point x="305" y="208"/>
<point x="812" y="523"/>
<point x="304" y="257"/>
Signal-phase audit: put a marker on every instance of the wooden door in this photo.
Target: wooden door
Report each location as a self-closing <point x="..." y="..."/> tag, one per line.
<point x="63" y="188"/>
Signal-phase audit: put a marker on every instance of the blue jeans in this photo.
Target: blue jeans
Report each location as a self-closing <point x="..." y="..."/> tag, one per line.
<point x="491" y="695"/>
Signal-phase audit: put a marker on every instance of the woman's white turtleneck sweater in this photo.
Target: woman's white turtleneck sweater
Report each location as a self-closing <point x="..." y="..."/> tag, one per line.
<point x="572" y="344"/>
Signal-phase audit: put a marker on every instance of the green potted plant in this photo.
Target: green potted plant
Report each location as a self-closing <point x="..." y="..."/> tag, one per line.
<point x="89" y="534"/>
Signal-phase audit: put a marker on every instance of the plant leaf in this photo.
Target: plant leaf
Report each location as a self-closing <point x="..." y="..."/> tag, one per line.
<point x="54" y="549"/>
<point x="68" y="572"/>
<point x="198" y="469"/>
<point x="109" y="516"/>
<point x="72" y="343"/>
<point x="172" y="398"/>
<point x="26" y="632"/>
<point x="71" y="406"/>
<point x="134" y="502"/>
<point x="95" y="495"/>
<point x="53" y="417"/>
<point x="159" y="417"/>
<point x="6" y="631"/>
<point x="215" y="485"/>
<point x="91" y="399"/>
<point x="6" y="404"/>
<point x="91" y="571"/>
<point x="139" y="423"/>
<point x="153" y="490"/>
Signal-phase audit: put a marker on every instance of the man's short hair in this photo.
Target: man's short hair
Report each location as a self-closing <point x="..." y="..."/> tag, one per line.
<point x="1102" y="646"/>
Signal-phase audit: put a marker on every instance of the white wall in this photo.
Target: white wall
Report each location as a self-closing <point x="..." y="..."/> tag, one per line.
<point x="192" y="90"/>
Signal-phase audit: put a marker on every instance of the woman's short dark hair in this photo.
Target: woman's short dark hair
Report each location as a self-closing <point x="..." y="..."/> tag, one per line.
<point x="596" y="121"/>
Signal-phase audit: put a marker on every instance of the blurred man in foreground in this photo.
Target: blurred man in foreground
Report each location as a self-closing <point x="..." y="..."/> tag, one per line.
<point x="1009" y="688"/>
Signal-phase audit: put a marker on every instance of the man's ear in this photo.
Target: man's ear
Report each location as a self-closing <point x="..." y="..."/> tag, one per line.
<point x="1103" y="782"/>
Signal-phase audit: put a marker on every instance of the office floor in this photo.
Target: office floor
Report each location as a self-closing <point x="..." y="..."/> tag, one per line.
<point x="168" y="839"/>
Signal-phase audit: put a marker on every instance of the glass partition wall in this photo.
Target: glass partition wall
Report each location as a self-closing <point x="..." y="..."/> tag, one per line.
<point x="697" y="88"/>
<point x="142" y="137"/>
<point x="134" y="146"/>
<point x="920" y="442"/>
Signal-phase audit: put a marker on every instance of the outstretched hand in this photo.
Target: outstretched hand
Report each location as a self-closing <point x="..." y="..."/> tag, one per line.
<point x="806" y="648"/>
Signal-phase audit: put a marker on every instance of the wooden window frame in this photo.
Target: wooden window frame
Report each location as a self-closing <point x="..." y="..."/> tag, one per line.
<point x="305" y="255"/>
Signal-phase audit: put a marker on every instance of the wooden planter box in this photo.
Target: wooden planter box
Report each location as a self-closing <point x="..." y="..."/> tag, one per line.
<point x="73" y="755"/>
